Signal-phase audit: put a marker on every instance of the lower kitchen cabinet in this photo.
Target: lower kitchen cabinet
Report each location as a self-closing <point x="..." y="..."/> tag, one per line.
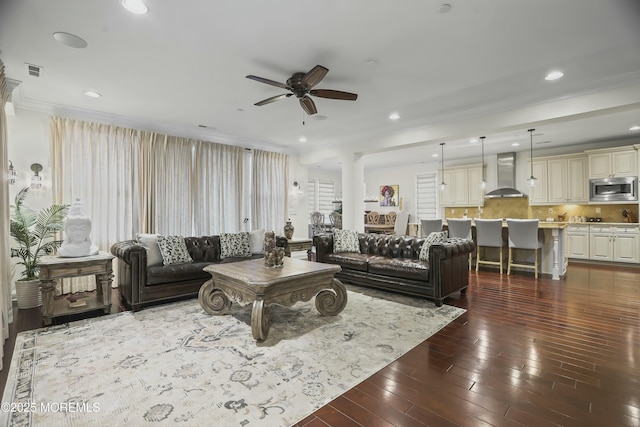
<point x="578" y="241"/>
<point x="614" y="243"/>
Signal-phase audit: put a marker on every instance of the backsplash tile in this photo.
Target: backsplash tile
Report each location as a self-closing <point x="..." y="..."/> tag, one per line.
<point x="519" y="208"/>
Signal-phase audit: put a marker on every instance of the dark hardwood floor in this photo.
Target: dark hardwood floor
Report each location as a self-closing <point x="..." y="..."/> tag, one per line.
<point x="527" y="352"/>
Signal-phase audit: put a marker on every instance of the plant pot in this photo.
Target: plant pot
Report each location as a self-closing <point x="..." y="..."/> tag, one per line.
<point x="28" y="293"/>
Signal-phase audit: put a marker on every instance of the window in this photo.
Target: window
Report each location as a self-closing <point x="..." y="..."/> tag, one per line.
<point x="426" y="196"/>
<point x="320" y="195"/>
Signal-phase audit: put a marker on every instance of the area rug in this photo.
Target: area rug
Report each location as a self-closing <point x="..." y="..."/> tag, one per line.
<point x="176" y="365"/>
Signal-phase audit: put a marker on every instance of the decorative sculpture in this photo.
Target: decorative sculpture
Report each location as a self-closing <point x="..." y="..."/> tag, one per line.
<point x="77" y="228"/>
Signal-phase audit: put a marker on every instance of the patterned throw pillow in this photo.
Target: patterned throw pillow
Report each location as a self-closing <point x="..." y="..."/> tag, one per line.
<point x="150" y="244"/>
<point x="345" y="241"/>
<point x="173" y="250"/>
<point x="432" y="239"/>
<point x="235" y="244"/>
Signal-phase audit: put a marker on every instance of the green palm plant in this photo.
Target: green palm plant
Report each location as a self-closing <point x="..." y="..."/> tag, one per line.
<point x="34" y="232"/>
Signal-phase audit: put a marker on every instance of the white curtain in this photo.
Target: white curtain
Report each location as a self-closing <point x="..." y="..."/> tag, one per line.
<point x="217" y="181"/>
<point x="95" y="163"/>
<point x="6" y="309"/>
<point x="269" y="178"/>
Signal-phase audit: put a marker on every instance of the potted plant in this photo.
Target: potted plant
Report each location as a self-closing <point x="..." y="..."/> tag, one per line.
<point x="34" y="232"/>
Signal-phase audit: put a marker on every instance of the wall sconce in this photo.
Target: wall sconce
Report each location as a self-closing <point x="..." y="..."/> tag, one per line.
<point x="36" y="179"/>
<point x="11" y="176"/>
<point x="296" y="192"/>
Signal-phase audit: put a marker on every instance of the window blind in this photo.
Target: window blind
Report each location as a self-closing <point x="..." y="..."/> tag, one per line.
<point x="426" y="196"/>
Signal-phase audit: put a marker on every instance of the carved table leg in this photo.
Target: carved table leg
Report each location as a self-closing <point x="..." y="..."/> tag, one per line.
<point x="104" y="289"/>
<point x="213" y="300"/>
<point x="260" y="320"/>
<point x="47" y="287"/>
<point x="331" y="302"/>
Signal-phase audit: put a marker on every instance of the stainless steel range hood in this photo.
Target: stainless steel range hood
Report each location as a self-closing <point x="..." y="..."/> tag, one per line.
<point x="506" y="178"/>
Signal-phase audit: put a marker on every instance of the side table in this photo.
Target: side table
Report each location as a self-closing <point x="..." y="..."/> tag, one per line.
<point x="54" y="267"/>
<point x="294" y="245"/>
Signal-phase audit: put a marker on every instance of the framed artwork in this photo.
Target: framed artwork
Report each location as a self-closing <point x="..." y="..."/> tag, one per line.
<point x="389" y="195"/>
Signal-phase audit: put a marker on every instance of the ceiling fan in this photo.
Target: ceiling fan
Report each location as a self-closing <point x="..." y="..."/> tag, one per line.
<point x="301" y="85"/>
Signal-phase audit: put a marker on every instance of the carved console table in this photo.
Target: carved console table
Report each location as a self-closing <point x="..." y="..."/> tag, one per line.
<point x="54" y="267"/>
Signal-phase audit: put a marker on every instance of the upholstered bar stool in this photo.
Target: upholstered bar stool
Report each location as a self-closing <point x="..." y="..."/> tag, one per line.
<point x="461" y="228"/>
<point x="523" y="234"/>
<point x="488" y="235"/>
<point x="430" y="225"/>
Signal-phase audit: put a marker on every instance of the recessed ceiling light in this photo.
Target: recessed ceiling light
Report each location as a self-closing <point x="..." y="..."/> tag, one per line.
<point x="515" y="144"/>
<point x="444" y="8"/>
<point x="70" y="40"/>
<point x="554" y="75"/>
<point x="302" y="139"/>
<point x="473" y="140"/>
<point x="434" y="155"/>
<point x="92" y="94"/>
<point x="634" y="128"/>
<point x="394" y="116"/>
<point x="319" y="117"/>
<point x="135" y="6"/>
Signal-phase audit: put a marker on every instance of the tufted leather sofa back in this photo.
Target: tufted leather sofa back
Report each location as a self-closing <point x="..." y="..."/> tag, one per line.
<point x="390" y="245"/>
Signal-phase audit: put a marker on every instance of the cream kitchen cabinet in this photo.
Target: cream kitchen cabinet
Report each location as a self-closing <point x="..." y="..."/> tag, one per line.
<point x="463" y="187"/>
<point x="578" y="241"/>
<point x="561" y="179"/>
<point x="567" y="180"/>
<point x="615" y="243"/>
<point x="607" y="163"/>
<point x="539" y="193"/>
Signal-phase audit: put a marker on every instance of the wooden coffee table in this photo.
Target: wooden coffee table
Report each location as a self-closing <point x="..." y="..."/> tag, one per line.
<point x="250" y="281"/>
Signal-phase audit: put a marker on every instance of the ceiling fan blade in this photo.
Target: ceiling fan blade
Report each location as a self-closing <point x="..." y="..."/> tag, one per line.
<point x="308" y="105"/>
<point x="267" y="81"/>
<point x="273" y="99"/>
<point x="314" y="76"/>
<point x="334" y="94"/>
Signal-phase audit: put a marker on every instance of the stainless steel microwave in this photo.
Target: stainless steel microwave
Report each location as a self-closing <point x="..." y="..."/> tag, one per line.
<point x="622" y="189"/>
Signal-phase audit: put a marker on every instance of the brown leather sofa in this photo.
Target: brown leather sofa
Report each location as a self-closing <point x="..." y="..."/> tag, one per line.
<point x="391" y="263"/>
<point x="140" y="285"/>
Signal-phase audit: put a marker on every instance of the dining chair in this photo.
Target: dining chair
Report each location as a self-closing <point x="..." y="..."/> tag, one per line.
<point x="430" y="225"/>
<point x="336" y="219"/>
<point x="523" y="234"/>
<point x="488" y="235"/>
<point x="461" y="228"/>
<point x="390" y="218"/>
<point x="317" y="222"/>
<point x="401" y="223"/>
<point x="373" y="217"/>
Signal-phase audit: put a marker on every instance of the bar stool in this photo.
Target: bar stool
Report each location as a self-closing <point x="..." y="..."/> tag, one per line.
<point x="461" y="228"/>
<point x="488" y="235"/>
<point x="430" y="225"/>
<point x="523" y="234"/>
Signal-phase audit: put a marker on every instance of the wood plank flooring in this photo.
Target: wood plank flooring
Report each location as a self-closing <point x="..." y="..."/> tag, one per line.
<point x="527" y="352"/>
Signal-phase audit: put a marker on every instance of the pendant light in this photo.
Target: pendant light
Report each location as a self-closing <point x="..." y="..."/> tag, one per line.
<point x="483" y="183"/>
<point x="443" y="184"/>
<point x="532" y="179"/>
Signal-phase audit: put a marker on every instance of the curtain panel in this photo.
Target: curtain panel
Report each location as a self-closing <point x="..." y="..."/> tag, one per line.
<point x="6" y="308"/>
<point x="269" y="178"/>
<point x="134" y="181"/>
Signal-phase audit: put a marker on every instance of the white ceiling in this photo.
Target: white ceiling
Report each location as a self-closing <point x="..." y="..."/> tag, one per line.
<point x="477" y="70"/>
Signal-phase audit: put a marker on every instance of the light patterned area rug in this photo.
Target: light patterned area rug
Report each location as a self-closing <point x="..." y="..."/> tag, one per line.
<point x="176" y="365"/>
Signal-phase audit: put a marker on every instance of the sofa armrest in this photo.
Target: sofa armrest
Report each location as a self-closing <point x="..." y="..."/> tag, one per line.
<point x="324" y="245"/>
<point x="449" y="266"/>
<point x="132" y="269"/>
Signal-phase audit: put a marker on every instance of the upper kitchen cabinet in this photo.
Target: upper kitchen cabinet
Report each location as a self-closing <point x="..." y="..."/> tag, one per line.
<point x="561" y="179"/>
<point x="613" y="162"/>
<point x="463" y="187"/>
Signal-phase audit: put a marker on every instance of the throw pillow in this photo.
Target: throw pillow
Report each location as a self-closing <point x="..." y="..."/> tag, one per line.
<point x="256" y="240"/>
<point x="173" y="250"/>
<point x="345" y="241"/>
<point x="432" y="239"/>
<point x="235" y="244"/>
<point x="150" y="244"/>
